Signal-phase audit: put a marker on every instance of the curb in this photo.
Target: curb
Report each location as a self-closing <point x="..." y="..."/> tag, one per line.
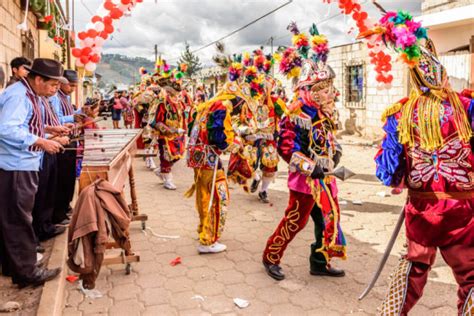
<point x="52" y="298"/>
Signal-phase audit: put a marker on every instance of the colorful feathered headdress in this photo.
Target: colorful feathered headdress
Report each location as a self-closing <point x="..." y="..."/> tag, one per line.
<point x="305" y="62"/>
<point x="400" y="32"/>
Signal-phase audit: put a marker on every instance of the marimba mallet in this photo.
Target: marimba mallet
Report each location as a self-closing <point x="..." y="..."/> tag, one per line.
<point x="89" y="149"/>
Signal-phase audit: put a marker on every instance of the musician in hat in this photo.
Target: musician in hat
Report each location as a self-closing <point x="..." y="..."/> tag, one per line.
<point x="427" y="150"/>
<point x="66" y="113"/>
<point x="307" y="143"/>
<point x="168" y="122"/>
<point x="22" y="144"/>
<point x="45" y="198"/>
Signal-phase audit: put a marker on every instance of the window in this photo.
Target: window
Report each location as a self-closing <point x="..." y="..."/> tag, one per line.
<point x="28" y="45"/>
<point x="354" y="83"/>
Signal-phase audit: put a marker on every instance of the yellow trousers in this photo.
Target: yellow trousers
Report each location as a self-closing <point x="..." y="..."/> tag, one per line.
<point x="211" y="222"/>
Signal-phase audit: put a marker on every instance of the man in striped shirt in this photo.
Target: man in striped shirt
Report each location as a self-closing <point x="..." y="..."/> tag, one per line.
<point x="66" y="113"/>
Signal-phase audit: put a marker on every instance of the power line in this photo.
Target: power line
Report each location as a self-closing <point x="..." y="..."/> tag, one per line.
<point x="318" y="23"/>
<point x="243" y="27"/>
<point x="86" y="7"/>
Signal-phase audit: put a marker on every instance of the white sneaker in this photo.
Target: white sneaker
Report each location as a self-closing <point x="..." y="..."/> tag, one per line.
<point x="214" y="248"/>
<point x="151" y="163"/>
<point x="169" y="185"/>
<point x="168" y="181"/>
<point x="159" y="174"/>
<point x="147" y="162"/>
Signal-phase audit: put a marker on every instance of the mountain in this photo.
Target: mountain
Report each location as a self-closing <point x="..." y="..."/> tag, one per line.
<point x="120" y="69"/>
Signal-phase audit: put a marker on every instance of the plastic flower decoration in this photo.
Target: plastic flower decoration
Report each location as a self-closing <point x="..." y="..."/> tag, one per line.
<point x="290" y="63"/>
<point x="403" y="34"/>
<point x="235" y="71"/>
<point x="319" y="44"/>
<point x="299" y="40"/>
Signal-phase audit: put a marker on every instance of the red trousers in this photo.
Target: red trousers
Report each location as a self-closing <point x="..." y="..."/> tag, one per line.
<point x="295" y="219"/>
<point x="165" y="165"/>
<point x="459" y="257"/>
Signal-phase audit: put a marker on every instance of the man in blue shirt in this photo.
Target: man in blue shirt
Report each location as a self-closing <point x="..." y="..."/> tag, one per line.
<point x="22" y="143"/>
<point x="61" y="103"/>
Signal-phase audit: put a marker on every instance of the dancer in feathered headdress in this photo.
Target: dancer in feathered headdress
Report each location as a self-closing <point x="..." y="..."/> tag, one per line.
<point x="212" y="134"/>
<point x="427" y="150"/>
<point x="307" y="142"/>
<point x="167" y="120"/>
<point x="256" y="126"/>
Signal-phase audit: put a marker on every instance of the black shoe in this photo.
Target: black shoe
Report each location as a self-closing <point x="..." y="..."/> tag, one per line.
<point x="254" y="186"/>
<point x="40" y="276"/>
<point x="274" y="271"/>
<point x="328" y="271"/>
<point x="64" y="222"/>
<point x="57" y="231"/>
<point x="40" y="249"/>
<point x="262" y="196"/>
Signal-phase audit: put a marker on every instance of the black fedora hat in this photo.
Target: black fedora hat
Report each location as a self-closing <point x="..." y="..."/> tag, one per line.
<point x="48" y="68"/>
<point x="71" y="76"/>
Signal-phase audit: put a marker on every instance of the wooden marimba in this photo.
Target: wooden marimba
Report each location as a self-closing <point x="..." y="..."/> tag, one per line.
<point x="108" y="154"/>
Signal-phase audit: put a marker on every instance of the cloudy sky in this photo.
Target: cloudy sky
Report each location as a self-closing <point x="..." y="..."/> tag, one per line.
<point x="169" y="23"/>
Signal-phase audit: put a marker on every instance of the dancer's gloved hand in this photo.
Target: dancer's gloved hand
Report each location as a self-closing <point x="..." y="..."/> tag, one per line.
<point x="336" y="158"/>
<point x="318" y="173"/>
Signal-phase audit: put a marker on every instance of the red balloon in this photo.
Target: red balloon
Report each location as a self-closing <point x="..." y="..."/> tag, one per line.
<point x="76" y="52"/>
<point x="84" y="59"/>
<point x="92" y="33"/>
<point x="107" y="20"/>
<point x="126" y="1"/>
<point x="86" y="51"/>
<point x="95" y="58"/>
<point x="82" y="35"/>
<point x="96" y="18"/>
<point x="139" y="1"/>
<point x="116" y="14"/>
<point x="109" y="5"/>
<point x="104" y="35"/>
<point x="108" y="28"/>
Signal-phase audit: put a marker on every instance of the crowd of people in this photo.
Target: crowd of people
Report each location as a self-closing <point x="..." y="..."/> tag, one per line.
<point x="428" y="150"/>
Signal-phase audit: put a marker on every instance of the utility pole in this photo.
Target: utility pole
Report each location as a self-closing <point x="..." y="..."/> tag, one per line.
<point x="68" y="37"/>
<point x="156" y="52"/>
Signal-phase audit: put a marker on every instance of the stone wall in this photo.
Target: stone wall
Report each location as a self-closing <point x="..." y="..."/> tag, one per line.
<point x="374" y="100"/>
<point x="432" y="6"/>
<point x="10" y="36"/>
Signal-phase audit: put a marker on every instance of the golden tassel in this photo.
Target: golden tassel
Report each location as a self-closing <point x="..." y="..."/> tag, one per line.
<point x="405" y="124"/>
<point x="460" y="117"/>
<point x="391" y="110"/>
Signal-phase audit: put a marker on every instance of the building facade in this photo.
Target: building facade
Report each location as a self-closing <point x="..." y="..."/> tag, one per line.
<point x="13" y="41"/>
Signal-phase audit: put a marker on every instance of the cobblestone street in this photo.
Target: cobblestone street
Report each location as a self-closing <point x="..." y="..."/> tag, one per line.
<point x="207" y="284"/>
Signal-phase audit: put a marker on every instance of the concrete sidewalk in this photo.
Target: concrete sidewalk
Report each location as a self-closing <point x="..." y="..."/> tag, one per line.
<point x="207" y="284"/>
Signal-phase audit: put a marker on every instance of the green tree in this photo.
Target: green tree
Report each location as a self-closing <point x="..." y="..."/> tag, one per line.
<point x="192" y="60"/>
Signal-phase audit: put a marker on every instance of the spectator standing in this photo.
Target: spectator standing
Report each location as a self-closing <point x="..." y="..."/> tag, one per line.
<point x="18" y="69"/>
<point x="127" y="110"/>
<point x="116" y="110"/>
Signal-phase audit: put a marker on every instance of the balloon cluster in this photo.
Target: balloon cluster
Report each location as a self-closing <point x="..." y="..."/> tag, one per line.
<point x="98" y="30"/>
<point x="378" y="58"/>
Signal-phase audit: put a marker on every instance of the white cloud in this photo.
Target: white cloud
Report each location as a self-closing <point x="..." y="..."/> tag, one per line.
<point x="169" y="23"/>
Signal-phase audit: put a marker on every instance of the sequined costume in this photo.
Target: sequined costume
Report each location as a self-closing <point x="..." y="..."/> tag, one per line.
<point x="211" y="134"/>
<point x="427" y="150"/>
<point x="167" y="120"/>
<point x="256" y="124"/>
<point x="307" y="143"/>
